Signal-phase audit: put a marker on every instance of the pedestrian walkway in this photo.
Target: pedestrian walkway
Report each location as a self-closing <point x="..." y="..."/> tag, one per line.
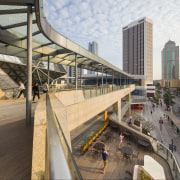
<point x="15" y="141"/>
<point x="167" y="133"/>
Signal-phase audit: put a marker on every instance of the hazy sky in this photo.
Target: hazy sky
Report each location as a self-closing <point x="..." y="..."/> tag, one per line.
<point x="83" y="21"/>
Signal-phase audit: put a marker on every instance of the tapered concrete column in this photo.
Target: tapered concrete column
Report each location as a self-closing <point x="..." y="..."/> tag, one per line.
<point x="76" y="71"/>
<point x="129" y="109"/>
<point x="117" y="110"/>
<point x="102" y="79"/>
<point x="29" y="66"/>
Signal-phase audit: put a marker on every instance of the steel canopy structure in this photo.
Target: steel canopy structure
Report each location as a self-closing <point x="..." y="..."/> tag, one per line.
<point x="46" y="42"/>
<point x="18" y="72"/>
<point x="25" y="33"/>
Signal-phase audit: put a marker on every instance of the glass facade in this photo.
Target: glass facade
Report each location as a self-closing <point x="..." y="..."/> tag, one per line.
<point x="170" y="61"/>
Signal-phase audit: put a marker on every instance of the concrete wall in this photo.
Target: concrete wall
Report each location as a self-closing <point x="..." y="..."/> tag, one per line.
<point x="70" y="97"/>
<point x="60" y="112"/>
<point x="84" y="110"/>
<point x="39" y="141"/>
<point x="2" y="95"/>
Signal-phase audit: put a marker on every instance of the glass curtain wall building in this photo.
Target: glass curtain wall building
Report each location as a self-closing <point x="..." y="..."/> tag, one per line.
<point x="92" y="47"/>
<point x="137" y="50"/>
<point x="170" y="61"/>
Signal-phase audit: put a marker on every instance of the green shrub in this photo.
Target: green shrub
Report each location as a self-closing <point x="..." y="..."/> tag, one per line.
<point x="144" y="176"/>
<point x="94" y="134"/>
<point x="137" y="123"/>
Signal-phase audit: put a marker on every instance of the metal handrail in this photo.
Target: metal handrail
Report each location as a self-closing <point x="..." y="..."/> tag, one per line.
<point x="57" y="164"/>
<point x="172" y="155"/>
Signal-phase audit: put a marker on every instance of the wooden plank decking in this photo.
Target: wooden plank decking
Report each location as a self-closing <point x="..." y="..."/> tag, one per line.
<point x="118" y="168"/>
<point x="15" y="143"/>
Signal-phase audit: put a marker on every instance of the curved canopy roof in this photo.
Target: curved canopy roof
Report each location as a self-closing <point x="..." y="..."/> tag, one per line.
<point x="46" y="41"/>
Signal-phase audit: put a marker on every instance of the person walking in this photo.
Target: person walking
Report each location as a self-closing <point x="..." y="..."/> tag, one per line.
<point x="121" y="137"/>
<point x="22" y="89"/>
<point x="151" y="112"/>
<point x="45" y="87"/>
<point x="104" y="156"/>
<point x="36" y="91"/>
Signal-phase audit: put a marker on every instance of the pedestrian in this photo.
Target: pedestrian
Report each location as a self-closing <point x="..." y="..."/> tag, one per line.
<point x="22" y="89"/>
<point x="121" y="137"/>
<point x="36" y="91"/>
<point x="151" y="112"/>
<point x="45" y="87"/>
<point x="164" y="115"/>
<point x="104" y="156"/>
<point x="130" y="122"/>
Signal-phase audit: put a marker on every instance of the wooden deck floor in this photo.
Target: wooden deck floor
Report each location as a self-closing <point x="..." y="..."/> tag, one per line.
<point x="15" y="143"/>
<point x="118" y="168"/>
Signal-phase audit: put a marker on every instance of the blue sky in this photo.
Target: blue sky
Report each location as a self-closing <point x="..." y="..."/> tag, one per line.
<point x="83" y="21"/>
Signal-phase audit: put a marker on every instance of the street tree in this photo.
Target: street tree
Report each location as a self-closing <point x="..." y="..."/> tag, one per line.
<point x="157" y="98"/>
<point x="158" y="90"/>
<point x="168" y="98"/>
<point x="149" y="126"/>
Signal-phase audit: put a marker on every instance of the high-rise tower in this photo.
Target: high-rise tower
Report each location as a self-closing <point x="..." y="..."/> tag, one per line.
<point x="92" y="47"/>
<point x="138" y="49"/>
<point x="170" y="61"/>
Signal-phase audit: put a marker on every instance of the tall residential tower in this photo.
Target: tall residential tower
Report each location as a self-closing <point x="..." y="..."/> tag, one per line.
<point x="170" y="61"/>
<point x="138" y="49"/>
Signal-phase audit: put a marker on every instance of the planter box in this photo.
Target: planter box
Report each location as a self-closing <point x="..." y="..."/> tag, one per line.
<point x="84" y="148"/>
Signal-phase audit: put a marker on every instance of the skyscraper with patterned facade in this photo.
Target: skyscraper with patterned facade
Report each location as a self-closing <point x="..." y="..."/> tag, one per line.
<point x="170" y="61"/>
<point x="138" y="49"/>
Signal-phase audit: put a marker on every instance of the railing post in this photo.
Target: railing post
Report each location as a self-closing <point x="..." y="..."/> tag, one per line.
<point x="176" y="171"/>
<point x="173" y="164"/>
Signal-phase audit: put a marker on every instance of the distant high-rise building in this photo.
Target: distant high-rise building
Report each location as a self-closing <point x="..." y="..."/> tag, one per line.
<point x="72" y="73"/>
<point x="170" y="61"/>
<point x="92" y="47"/>
<point x="137" y="50"/>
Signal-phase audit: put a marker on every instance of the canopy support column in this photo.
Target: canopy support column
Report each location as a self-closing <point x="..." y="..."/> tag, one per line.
<point x="48" y="70"/>
<point x="120" y="80"/>
<point x="102" y="78"/>
<point x="112" y="79"/>
<point x="76" y="73"/>
<point x="81" y="77"/>
<point x="29" y="66"/>
<point x="97" y="80"/>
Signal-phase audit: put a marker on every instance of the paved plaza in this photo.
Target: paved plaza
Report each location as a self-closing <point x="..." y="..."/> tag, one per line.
<point x="167" y="133"/>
